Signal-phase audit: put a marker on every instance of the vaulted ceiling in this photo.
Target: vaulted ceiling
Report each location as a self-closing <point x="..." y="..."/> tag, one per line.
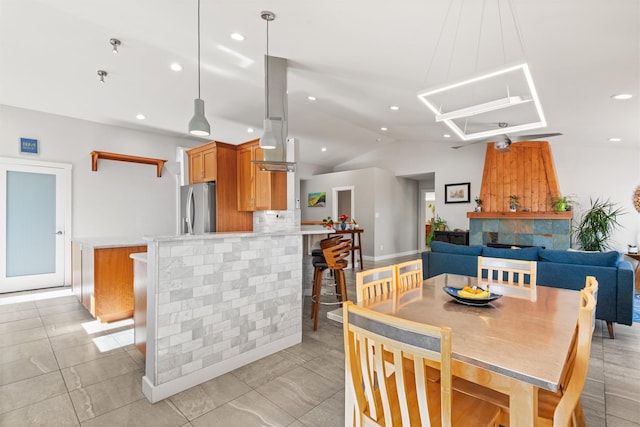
<point x="357" y="57"/>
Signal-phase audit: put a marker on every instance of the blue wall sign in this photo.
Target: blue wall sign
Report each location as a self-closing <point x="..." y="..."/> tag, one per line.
<point x="28" y="145"/>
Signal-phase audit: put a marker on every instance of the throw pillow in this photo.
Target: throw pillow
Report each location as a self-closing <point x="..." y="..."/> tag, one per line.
<point x="524" y="254"/>
<point x="450" y="248"/>
<point x="599" y="259"/>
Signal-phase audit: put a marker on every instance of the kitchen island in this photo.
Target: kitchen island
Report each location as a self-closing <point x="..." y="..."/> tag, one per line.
<point x="218" y="301"/>
<point x="102" y="275"/>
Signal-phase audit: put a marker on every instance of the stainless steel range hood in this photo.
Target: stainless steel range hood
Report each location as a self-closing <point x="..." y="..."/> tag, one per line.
<point x="275" y="160"/>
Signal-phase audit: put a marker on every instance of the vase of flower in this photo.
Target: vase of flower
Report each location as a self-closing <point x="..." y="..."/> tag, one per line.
<point x="343" y="221"/>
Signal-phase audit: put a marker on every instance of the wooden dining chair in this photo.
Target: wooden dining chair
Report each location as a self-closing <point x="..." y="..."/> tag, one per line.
<point x="409" y="274"/>
<point x="319" y="267"/>
<point x="375" y="283"/>
<point x="405" y="397"/>
<point x="510" y="274"/>
<point x="550" y="412"/>
<point x="567" y="409"/>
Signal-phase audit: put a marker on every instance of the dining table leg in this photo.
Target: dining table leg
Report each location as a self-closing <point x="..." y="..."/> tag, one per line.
<point x="523" y="403"/>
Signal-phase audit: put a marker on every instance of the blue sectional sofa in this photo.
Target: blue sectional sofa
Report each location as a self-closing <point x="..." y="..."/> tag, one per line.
<point x="557" y="268"/>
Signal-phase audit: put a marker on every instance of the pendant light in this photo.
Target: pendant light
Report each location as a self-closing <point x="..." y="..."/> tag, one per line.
<point x="268" y="139"/>
<point x="199" y="125"/>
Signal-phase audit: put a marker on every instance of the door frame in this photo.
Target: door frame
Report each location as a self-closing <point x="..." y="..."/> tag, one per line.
<point x="334" y="194"/>
<point x="67" y="232"/>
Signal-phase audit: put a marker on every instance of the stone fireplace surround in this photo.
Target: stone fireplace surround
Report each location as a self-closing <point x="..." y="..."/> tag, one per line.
<point x="551" y="230"/>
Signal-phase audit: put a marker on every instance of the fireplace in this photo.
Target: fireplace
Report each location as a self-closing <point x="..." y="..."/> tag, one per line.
<point x="551" y="230"/>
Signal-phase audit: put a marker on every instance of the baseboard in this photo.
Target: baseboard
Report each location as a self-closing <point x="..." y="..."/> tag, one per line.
<point x="159" y="392"/>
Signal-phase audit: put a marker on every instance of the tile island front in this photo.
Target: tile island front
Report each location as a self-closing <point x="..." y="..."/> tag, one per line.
<point x="218" y="301"/>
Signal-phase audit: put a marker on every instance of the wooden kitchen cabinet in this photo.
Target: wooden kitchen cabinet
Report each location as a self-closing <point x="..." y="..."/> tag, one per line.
<point x="228" y="216"/>
<point x="203" y="166"/>
<point x="103" y="279"/>
<point x="259" y="190"/>
<point x="217" y="161"/>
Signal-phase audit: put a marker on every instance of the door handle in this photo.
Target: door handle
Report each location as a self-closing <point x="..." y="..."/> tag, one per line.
<point x="59" y="233"/>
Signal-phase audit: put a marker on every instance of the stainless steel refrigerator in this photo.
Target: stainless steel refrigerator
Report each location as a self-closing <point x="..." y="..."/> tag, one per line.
<point x="198" y="208"/>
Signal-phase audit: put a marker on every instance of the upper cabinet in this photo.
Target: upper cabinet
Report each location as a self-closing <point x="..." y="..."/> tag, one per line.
<point x="203" y="163"/>
<point x="259" y="190"/>
<point x="217" y="161"/>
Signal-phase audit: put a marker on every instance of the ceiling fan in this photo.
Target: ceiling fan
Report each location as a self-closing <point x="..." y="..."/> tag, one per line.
<point x="502" y="142"/>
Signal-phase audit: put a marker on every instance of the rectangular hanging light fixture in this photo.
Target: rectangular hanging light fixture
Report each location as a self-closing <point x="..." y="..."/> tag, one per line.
<point x="435" y="99"/>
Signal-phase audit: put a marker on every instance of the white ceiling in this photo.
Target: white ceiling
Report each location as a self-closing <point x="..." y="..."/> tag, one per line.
<point x="358" y="57"/>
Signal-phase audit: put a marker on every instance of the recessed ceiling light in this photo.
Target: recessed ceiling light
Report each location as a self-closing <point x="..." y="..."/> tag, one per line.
<point x="323" y="149"/>
<point x="237" y="36"/>
<point x="140" y="116"/>
<point x="615" y="139"/>
<point x="383" y="129"/>
<point x="378" y="139"/>
<point x="250" y="130"/>
<point x="446" y="135"/>
<point x="394" y="108"/>
<point x="311" y="98"/>
<point x="622" y="96"/>
<point x="176" y="67"/>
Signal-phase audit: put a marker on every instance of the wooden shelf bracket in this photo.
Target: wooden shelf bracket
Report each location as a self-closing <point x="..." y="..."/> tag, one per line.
<point x="95" y="155"/>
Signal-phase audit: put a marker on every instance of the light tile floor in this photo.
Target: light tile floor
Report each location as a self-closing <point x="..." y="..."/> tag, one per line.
<point x="57" y="368"/>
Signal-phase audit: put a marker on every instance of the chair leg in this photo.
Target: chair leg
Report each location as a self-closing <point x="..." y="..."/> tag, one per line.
<point x="316" y="303"/>
<point x="610" y="328"/>
<point x="341" y="285"/>
<point x="316" y="272"/>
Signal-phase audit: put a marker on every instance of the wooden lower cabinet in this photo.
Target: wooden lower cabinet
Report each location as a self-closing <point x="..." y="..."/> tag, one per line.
<point x="105" y="282"/>
<point x="140" y="284"/>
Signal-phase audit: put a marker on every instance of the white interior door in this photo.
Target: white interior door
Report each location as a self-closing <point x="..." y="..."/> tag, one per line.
<point x="36" y="218"/>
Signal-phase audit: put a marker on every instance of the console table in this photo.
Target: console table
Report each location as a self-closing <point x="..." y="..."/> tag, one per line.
<point x="455" y="237"/>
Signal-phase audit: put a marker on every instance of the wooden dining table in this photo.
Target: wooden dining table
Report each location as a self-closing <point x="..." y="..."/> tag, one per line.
<point x="513" y="345"/>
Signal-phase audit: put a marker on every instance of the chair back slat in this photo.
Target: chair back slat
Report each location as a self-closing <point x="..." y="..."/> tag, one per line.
<point x="510" y="274"/>
<point x="336" y="253"/>
<point x="409" y="274"/>
<point x="375" y="283"/>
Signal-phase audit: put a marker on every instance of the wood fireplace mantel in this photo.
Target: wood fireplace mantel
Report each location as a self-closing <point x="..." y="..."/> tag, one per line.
<point x="521" y="215"/>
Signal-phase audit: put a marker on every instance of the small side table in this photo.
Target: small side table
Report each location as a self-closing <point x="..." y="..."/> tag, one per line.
<point x="637" y="258"/>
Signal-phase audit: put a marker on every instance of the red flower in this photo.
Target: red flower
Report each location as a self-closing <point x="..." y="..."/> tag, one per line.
<point x="344" y="217"/>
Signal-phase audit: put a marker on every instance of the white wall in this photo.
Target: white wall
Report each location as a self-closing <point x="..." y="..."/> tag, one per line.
<point x="605" y="171"/>
<point x="119" y="200"/>
<point x="376" y="191"/>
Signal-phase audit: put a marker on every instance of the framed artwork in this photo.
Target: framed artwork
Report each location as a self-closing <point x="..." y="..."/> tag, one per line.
<point x="317" y="200"/>
<point x="457" y="193"/>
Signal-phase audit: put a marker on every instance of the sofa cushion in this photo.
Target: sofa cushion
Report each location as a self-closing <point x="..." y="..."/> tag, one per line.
<point x="450" y="248"/>
<point x="600" y="259"/>
<point x="524" y="254"/>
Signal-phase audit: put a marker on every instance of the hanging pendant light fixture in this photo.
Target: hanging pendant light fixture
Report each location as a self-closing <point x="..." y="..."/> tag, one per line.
<point x="268" y="139"/>
<point x="199" y="125"/>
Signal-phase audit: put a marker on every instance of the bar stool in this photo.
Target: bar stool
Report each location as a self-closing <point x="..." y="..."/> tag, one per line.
<point x="335" y="259"/>
<point x="319" y="266"/>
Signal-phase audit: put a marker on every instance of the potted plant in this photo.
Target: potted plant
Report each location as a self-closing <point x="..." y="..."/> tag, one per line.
<point x="327" y="222"/>
<point x="478" y="201"/>
<point x="597" y="224"/>
<point x="514" y="202"/>
<point x="561" y="203"/>
<point x="437" y="224"/>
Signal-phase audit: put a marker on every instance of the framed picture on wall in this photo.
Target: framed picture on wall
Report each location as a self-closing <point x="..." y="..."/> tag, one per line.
<point x="457" y="193"/>
<point x="317" y="200"/>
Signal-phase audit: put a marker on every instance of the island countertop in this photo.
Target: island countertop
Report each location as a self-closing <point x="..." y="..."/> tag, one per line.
<point x="109" y="242"/>
<point x="296" y="231"/>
